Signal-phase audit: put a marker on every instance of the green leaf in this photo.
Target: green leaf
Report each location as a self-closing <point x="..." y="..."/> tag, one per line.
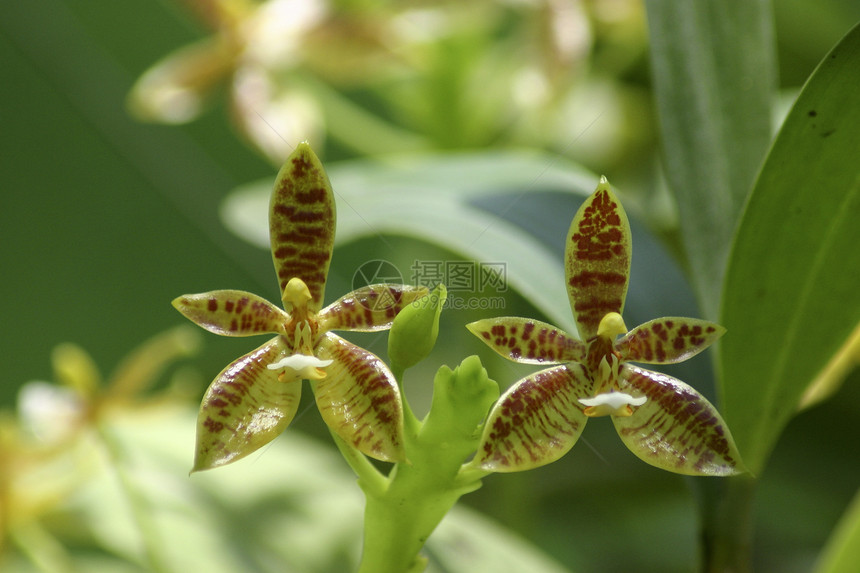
<point x="432" y="197"/>
<point x="842" y="552"/>
<point x="714" y="79"/>
<point x="791" y="299"/>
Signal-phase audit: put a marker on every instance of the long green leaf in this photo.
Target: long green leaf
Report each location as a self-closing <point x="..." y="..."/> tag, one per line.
<point x="714" y="78"/>
<point x="842" y="552"/>
<point x="791" y="297"/>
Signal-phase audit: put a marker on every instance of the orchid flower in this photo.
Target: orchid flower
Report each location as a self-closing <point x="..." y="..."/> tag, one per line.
<point x="256" y="396"/>
<point x="662" y="420"/>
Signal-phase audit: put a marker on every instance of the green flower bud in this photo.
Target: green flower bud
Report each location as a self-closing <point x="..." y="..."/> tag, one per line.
<point x="414" y="331"/>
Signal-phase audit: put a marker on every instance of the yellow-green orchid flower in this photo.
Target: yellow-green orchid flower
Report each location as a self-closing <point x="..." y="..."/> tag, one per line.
<point x="255" y="397"/>
<point x="659" y="418"/>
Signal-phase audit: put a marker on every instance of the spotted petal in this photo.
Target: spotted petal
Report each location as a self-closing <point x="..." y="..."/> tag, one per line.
<point x="597" y="260"/>
<point x="667" y="340"/>
<point x="232" y="312"/>
<point x="528" y="341"/>
<point x="369" y="308"/>
<point x="245" y="407"/>
<point x="359" y="399"/>
<point x="301" y="224"/>
<point x="536" y="421"/>
<point x="676" y="429"/>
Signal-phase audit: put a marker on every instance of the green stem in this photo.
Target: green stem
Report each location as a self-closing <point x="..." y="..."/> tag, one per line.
<point x="371" y="481"/>
<point x="727" y="524"/>
<point x="422" y="489"/>
<point x="398" y="522"/>
<point x="411" y="423"/>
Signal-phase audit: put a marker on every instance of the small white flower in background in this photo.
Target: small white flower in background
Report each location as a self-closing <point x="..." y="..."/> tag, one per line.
<point x="50" y="412"/>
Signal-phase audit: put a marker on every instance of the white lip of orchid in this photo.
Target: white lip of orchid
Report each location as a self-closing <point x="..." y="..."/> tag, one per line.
<point x="303" y="365"/>
<point x="611" y="404"/>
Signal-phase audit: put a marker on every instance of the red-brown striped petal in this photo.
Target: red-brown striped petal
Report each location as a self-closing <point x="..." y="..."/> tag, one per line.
<point x="528" y="341"/>
<point x="232" y="312"/>
<point x="676" y="429"/>
<point x="301" y="224"/>
<point x="597" y="259"/>
<point x="245" y="407"/>
<point x="667" y="340"/>
<point x="369" y="308"/>
<point x="536" y="421"/>
<point x="359" y="399"/>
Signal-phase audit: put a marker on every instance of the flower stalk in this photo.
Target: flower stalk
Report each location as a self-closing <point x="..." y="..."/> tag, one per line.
<point x="421" y="490"/>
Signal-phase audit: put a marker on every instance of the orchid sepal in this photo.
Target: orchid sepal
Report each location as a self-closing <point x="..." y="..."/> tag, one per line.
<point x="536" y="421"/>
<point x="597" y="259"/>
<point x="302" y="224"/>
<point x="246" y="406"/>
<point x="676" y="429"/>
<point x="359" y="399"/>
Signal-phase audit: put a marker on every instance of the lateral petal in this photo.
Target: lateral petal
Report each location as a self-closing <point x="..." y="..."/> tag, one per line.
<point x="369" y="308"/>
<point x="668" y="340"/>
<point x="597" y="259"/>
<point x="536" y="421"/>
<point x="245" y="407"/>
<point x="301" y="224"/>
<point x="676" y="429"/>
<point x="528" y="341"/>
<point x="359" y="399"/>
<point x="232" y="312"/>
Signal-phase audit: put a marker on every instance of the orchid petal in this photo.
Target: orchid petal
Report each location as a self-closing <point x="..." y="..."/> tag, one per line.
<point x="369" y="308"/>
<point x="528" y="341"/>
<point x="301" y="224"/>
<point x="536" y="421"/>
<point x="677" y="429"/>
<point x="245" y="407"/>
<point x="359" y="399"/>
<point x="597" y="259"/>
<point x="232" y="312"/>
<point x="668" y="340"/>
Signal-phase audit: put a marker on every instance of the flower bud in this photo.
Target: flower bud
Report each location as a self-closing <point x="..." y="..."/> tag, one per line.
<point x="413" y="333"/>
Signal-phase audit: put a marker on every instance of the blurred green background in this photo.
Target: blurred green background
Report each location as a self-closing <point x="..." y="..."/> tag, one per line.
<point x="104" y="220"/>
